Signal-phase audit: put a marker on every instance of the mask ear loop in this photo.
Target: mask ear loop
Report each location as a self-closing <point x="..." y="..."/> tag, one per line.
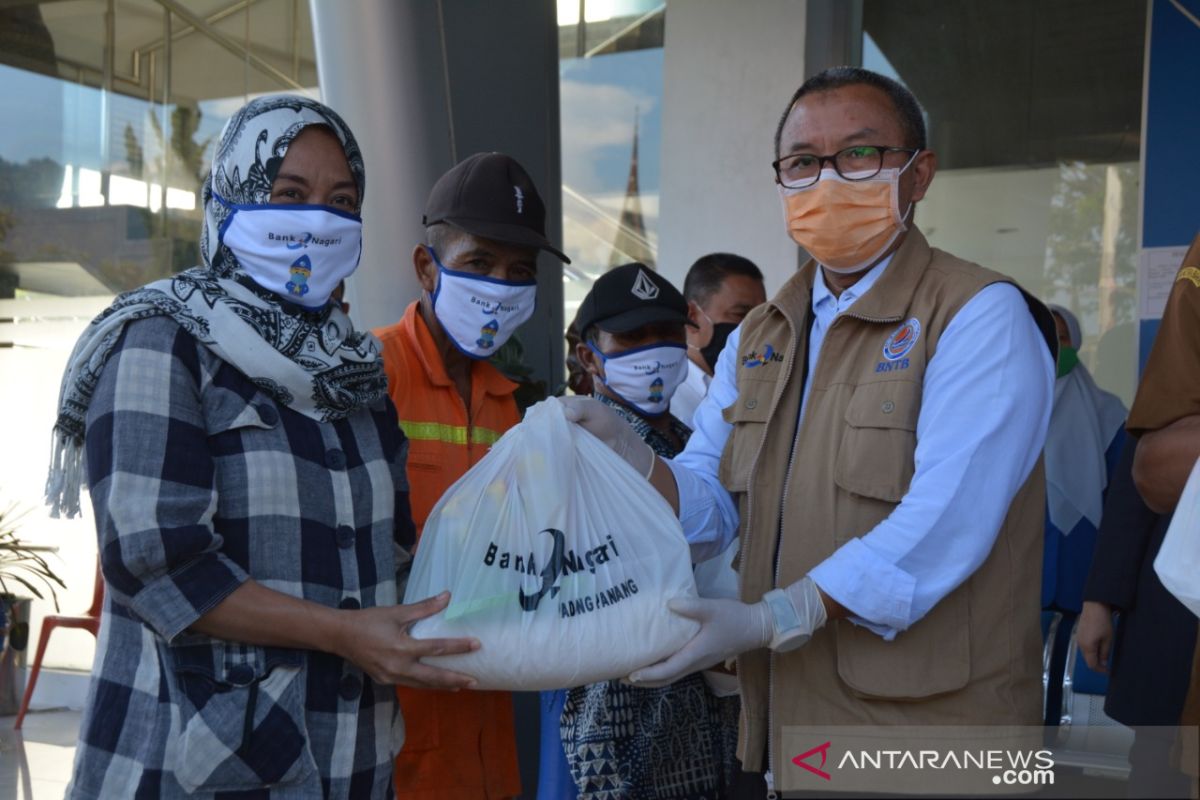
<point x="903" y="220"/>
<point x="712" y="325"/>
<point x="437" y="289"/>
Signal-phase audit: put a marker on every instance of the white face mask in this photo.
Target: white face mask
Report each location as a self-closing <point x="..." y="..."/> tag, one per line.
<point x="299" y="252"/>
<point x="645" y="377"/>
<point x="479" y="313"/>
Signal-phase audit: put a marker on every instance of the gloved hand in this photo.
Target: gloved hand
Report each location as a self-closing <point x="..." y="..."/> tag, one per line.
<point x="603" y="423"/>
<point x="729" y="628"/>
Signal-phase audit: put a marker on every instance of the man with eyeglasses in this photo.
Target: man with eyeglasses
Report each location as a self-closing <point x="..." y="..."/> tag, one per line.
<point x="873" y="435"/>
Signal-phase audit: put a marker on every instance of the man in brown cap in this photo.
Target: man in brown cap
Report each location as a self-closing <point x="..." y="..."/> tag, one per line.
<point x="484" y="225"/>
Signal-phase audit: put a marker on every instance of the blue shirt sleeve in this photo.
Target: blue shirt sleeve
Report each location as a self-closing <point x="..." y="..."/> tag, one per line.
<point x="706" y="510"/>
<point x="985" y="408"/>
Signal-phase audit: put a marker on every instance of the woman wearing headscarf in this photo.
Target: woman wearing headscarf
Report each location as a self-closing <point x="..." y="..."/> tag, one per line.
<point x="247" y="475"/>
<point x="1083" y="444"/>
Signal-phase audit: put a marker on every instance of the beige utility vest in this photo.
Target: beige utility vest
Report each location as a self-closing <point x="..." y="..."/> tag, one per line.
<point x="976" y="657"/>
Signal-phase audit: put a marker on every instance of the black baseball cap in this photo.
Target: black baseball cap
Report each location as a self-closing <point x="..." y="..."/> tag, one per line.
<point x="491" y="195"/>
<point x="627" y="297"/>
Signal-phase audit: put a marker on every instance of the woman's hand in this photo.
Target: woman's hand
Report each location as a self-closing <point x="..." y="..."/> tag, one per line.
<point x="378" y="641"/>
<point x="1094" y="635"/>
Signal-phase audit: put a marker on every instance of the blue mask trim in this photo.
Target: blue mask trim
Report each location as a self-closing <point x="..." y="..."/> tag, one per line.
<point x="475" y="276"/>
<point x="234" y="208"/>
<point x="643" y="348"/>
<point x="604" y="359"/>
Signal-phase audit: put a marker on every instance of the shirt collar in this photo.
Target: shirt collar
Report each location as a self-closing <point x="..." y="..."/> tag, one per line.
<point x="483" y="373"/>
<point x="822" y="297"/>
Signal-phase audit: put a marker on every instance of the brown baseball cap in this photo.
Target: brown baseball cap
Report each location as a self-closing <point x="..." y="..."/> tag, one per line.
<point x="491" y="195"/>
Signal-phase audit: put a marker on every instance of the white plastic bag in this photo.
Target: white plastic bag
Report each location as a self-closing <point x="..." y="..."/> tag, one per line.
<point x="559" y="558"/>
<point x="1178" y="561"/>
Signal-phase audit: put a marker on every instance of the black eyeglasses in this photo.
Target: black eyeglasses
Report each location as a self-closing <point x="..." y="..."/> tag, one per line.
<point x="858" y="163"/>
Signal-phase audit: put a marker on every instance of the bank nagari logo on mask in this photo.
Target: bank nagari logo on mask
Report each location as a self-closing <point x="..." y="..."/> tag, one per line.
<point x="487" y="335"/>
<point x="295" y="241"/>
<point x="652" y="369"/>
<point x="491" y="308"/>
<point x="753" y="359"/>
<point x="656" y="391"/>
<point x="300" y="271"/>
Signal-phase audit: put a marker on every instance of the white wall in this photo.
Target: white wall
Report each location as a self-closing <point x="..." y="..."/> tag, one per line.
<point x="729" y="69"/>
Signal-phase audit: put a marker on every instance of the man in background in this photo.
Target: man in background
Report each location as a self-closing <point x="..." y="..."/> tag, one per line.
<point x="720" y="289"/>
<point x="484" y="225"/>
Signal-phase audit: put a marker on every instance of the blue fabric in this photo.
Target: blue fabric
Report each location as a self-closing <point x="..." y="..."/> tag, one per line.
<point x="1067" y="558"/>
<point x="554" y="774"/>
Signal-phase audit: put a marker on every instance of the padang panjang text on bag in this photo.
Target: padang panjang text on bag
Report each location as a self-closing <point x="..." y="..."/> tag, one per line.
<point x="559" y="558"/>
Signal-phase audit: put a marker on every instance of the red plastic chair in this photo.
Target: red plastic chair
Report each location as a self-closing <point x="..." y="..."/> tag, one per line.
<point x="89" y="621"/>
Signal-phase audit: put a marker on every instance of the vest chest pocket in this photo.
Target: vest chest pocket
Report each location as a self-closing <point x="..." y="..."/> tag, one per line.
<point x="748" y="416"/>
<point x="876" y="456"/>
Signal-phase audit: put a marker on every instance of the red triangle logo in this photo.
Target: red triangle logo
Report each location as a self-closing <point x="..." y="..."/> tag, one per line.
<point x="823" y="749"/>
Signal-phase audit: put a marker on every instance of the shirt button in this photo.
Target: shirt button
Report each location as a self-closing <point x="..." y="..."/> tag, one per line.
<point x="335" y="459"/>
<point x="752" y="403"/>
<point x="267" y="414"/>
<point x="350" y="687"/>
<point x="888" y="407"/>
<point x="345" y="536"/>
<point x="349" y="604"/>
<point x="240" y="675"/>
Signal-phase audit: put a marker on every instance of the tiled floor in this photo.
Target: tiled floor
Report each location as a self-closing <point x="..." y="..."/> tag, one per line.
<point x="35" y="763"/>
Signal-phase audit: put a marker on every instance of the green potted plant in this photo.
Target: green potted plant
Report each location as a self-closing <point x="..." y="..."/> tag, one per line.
<point x="22" y="568"/>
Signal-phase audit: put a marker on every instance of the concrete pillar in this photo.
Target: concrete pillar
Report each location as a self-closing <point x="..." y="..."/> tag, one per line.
<point x="379" y="64"/>
<point x="728" y="71"/>
<point x="417" y="108"/>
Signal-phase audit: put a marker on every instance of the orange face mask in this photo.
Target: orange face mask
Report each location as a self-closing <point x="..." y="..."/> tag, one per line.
<point x="846" y="225"/>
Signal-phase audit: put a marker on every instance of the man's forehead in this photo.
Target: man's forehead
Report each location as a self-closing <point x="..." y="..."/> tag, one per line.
<point x="461" y="241"/>
<point x="655" y="331"/>
<point x="848" y="113"/>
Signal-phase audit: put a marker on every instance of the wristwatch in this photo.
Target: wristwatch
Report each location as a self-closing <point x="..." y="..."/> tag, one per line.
<point x="789" y="633"/>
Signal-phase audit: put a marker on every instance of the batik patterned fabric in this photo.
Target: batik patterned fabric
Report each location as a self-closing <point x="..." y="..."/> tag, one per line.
<point x="201" y="481"/>
<point x="315" y="363"/>
<point x="629" y="743"/>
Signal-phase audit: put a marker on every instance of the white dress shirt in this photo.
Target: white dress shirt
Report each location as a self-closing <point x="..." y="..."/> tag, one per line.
<point x="985" y="407"/>
<point x="689" y="394"/>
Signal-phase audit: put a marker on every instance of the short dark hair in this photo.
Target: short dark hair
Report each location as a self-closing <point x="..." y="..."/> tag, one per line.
<point x="439" y="235"/>
<point x="912" y="117"/>
<point x="704" y="278"/>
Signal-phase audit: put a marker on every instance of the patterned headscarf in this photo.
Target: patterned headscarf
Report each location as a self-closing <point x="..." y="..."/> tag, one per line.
<point x="311" y="361"/>
<point x="252" y="146"/>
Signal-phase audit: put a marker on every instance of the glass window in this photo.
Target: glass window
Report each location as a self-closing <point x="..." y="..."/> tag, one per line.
<point x="611" y="115"/>
<point x="114" y="109"/>
<point x="1034" y="111"/>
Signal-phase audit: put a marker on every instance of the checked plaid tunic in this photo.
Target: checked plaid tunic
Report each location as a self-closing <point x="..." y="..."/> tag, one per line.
<point x="200" y="481"/>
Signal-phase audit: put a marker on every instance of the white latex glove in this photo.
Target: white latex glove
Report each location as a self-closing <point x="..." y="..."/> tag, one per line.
<point x="604" y="423"/>
<point x="729" y="628"/>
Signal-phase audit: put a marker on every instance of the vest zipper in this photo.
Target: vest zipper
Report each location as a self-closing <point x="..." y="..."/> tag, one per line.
<point x="768" y="774"/>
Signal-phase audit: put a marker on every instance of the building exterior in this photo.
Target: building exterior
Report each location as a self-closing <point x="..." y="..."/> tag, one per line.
<point x="1063" y="130"/>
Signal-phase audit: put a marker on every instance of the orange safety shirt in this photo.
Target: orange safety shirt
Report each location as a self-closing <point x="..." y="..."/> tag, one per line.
<point x="458" y="745"/>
